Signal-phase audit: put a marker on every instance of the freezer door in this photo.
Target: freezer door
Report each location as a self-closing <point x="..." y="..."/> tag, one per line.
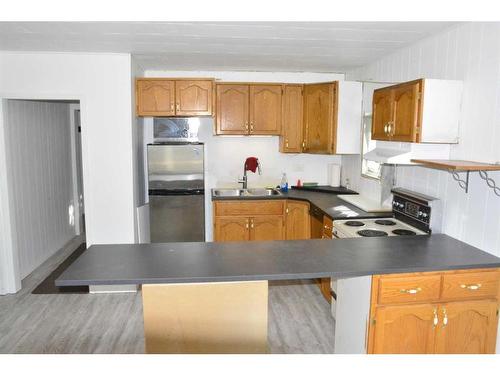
<point x="177" y="218"/>
<point x="175" y="166"/>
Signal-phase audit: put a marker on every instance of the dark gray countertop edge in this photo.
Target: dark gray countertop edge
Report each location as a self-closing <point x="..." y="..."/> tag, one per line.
<point x="295" y="276"/>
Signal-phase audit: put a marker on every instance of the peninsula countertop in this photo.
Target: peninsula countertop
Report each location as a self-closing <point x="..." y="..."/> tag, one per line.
<point x="330" y="204"/>
<point x="192" y="262"/>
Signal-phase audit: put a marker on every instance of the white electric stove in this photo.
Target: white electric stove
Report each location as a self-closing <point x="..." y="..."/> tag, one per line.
<point x="373" y="228"/>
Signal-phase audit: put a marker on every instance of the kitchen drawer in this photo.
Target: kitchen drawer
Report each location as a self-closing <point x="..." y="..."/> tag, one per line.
<point x="249" y="208"/>
<point x="403" y="289"/>
<point x="483" y="284"/>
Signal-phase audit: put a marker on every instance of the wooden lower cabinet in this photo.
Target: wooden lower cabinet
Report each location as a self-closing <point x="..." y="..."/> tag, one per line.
<point x="267" y="228"/>
<point x="470" y="328"/>
<point x="404" y="329"/>
<point x="298" y="223"/>
<point x="231" y="228"/>
<point x="437" y="312"/>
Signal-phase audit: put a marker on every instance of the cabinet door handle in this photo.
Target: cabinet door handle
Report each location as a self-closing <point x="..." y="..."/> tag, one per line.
<point x="411" y="291"/>
<point x="172" y="107"/>
<point x="251" y="224"/>
<point x="470" y="286"/>
<point x="445" y="317"/>
<point x="386" y="127"/>
<point x="178" y="106"/>
<point x="435" y="321"/>
<point x="251" y="126"/>
<point x="246" y="225"/>
<point x="246" y="126"/>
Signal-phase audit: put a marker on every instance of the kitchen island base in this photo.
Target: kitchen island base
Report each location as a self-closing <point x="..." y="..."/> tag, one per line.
<point x="224" y="317"/>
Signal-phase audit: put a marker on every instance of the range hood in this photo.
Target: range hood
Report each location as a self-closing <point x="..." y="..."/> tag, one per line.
<point x="403" y="152"/>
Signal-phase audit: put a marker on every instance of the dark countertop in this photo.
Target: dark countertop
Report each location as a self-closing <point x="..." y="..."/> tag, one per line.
<point x="191" y="262"/>
<point x="329" y="203"/>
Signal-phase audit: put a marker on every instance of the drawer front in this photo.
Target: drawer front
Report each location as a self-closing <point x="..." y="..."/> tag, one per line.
<point x="471" y="285"/>
<point x="249" y="208"/>
<point x="409" y="289"/>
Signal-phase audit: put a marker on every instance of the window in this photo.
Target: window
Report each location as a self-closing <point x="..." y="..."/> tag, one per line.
<point x="369" y="168"/>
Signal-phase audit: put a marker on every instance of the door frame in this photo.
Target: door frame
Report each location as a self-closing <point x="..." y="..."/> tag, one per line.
<point x="10" y="279"/>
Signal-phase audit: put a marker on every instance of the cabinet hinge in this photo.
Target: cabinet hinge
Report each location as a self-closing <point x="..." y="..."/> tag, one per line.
<point x="497" y="312"/>
<point x="374" y="321"/>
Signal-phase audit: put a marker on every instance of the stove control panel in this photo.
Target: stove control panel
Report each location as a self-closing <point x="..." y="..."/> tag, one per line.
<point x="412" y="209"/>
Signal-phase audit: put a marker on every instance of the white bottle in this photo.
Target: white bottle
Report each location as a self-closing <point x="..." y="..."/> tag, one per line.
<point x="284" y="183"/>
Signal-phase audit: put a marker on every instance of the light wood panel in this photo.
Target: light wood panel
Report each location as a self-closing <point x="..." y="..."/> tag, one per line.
<point x="292" y="124"/>
<point x="381" y="113"/>
<point x="249" y="208"/>
<point x="231" y="228"/>
<point x="406" y="109"/>
<point x="206" y="317"/>
<point x="457" y="165"/>
<point x="193" y="97"/>
<point x="409" y="289"/>
<point x="404" y="329"/>
<point x="469" y="328"/>
<point x="319" y="118"/>
<point x="298" y="224"/>
<point x="232" y="114"/>
<point x="265" y="109"/>
<point x="267" y="228"/>
<point x="155" y="97"/>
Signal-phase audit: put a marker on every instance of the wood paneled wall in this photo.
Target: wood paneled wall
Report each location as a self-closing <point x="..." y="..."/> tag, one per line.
<point x="38" y="145"/>
<point x="468" y="52"/>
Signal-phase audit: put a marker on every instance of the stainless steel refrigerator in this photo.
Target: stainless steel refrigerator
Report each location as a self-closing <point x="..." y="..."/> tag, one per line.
<point x="176" y="192"/>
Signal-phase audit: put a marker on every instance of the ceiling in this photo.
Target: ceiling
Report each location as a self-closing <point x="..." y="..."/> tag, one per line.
<point x="260" y="46"/>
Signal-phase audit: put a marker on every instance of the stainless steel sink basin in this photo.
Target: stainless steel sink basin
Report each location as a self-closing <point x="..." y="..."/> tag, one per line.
<point x="246" y="192"/>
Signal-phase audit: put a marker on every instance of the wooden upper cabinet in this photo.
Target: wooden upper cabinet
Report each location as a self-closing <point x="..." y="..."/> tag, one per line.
<point x="319" y="102"/>
<point x="292" y="119"/>
<point x="155" y="97"/>
<point x="424" y="110"/>
<point x="232" y="109"/>
<point x="298" y="224"/>
<point x="382" y="113"/>
<point x="470" y="328"/>
<point x="267" y="228"/>
<point x="406" y="108"/>
<point x="170" y="97"/>
<point x="407" y="329"/>
<point x="231" y="229"/>
<point x="265" y="109"/>
<point x="193" y="98"/>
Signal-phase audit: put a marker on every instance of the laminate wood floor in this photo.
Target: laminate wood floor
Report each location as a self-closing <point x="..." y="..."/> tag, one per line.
<point x="299" y="319"/>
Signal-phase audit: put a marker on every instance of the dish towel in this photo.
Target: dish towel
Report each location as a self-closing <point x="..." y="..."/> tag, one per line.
<point x="251" y="164"/>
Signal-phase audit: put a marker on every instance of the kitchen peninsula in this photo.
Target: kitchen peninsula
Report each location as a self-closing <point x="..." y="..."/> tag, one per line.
<point x="212" y="297"/>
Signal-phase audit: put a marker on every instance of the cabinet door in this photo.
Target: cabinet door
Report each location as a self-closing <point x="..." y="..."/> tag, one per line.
<point x="232" y="109"/>
<point x="231" y="229"/>
<point x="292" y="129"/>
<point x="470" y="327"/>
<point x="406" y="112"/>
<point x="265" y="109"/>
<point x="266" y="228"/>
<point x="298" y="226"/>
<point x="155" y="97"/>
<point x="407" y="329"/>
<point x="318" y="118"/>
<point x="381" y="114"/>
<point x="193" y="98"/>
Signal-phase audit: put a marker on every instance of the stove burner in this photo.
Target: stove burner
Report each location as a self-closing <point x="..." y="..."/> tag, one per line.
<point x="385" y="222"/>
<point x="354" y="223"/>
<point x="404" y="232"/>
<point x="371" y="233"/>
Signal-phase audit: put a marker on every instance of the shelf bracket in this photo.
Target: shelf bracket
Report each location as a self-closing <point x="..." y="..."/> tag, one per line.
<point x="464" y="184"/>
<point x="490" y="182"/>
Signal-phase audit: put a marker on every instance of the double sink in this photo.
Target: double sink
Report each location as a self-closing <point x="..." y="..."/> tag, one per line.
<point x="245" y="192"/>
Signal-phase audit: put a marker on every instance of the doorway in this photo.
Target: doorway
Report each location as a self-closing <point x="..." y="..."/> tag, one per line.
<point x="44" y="174"/>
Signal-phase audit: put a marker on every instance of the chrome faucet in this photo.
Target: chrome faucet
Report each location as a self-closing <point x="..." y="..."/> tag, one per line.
<point x="244" y="180"/>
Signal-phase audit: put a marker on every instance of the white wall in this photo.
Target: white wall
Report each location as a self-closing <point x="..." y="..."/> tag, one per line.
<point x="468" y="52"/>
<point x="225" y="154"/>
<point x="102" y="83"/>
<point x="38" y="146"/>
